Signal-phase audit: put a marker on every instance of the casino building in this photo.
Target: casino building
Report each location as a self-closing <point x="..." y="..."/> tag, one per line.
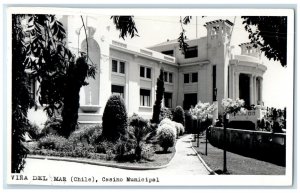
<point x="209" y="68"/>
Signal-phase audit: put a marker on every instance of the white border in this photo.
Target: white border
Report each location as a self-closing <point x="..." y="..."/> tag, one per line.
<point x="233" y="180"/>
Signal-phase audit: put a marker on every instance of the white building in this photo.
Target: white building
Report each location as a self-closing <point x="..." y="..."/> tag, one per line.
<point x="207" y="67"/>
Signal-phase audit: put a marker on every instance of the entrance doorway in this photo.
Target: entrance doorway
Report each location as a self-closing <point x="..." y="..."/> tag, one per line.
<point x="244" y="87"/>
<point x="189" y="100"/>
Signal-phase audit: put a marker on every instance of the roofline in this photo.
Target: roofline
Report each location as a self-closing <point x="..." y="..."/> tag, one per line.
<point x="166" y="43"/>
<point x="217" y="21"/>
<point x="143" y="53"/>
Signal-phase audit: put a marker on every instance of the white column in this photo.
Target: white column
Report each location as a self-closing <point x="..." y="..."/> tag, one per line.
<point x="237" y="85"/>
<point x="251" y="89"/>
<point x="254" y="90"/>
<point x="261" y="90"/>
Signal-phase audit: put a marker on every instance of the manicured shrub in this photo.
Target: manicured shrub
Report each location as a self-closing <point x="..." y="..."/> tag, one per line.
<point x="172" y="124"/>
<point x="114" y="118"/>
<point x="180" y="129"/>
<point x="90" y="134"/>
<point x="53" y="142"/>
<point x="188" y="122"/>
<point x="179" y="115"/>
<point x="165" y="113"/>
<point x="166" y="136"/>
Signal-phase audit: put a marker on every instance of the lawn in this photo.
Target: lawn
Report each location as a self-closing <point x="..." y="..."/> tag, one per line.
<point x="236" y="164"/>
<point x="157" y="159"/>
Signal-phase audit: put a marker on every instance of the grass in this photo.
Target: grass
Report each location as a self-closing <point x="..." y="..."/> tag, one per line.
<point x="236" y="164"/>
<point x="157" y="159"/>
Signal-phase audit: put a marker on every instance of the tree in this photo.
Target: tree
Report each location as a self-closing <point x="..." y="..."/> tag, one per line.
<point x="21" y="100"/>
<point x="270" y="33"/>
<point x="39" y="52"/>
<point x="159" y="96"/>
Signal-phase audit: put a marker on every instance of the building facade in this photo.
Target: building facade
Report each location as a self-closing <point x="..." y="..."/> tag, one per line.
<point x="207" y="70"/>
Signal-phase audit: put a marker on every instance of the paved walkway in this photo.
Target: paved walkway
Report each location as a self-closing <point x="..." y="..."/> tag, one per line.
<point x="185" y="162"/>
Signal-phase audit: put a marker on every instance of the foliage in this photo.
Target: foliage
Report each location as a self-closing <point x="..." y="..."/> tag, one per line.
<point x="90" y="134"/>
<point x="124" y="150"/>
<point x="74" y="80"/>
<point x="165" y="113"/>
<point x="180" y="128"/>
<point x="33" y="131"/>
<point x="140" y="132"/>
<point x="53" y="142"/>
<point x="53" y="65"/>
<point x="179" y="115"/>
<point x="159" y="96"/>
<point x="233" y="106"/>
<point x="188" y="122"/>
<point x="166" y="136"/>
<point x="202" y="111"/>
<point x="126" y="26"/>
<point x="270" y="33"/>
<point x="21" y="100"/>
<point x="274" y="120"/>
<point x="52" y="126"/>
<point x="114" y="118"/>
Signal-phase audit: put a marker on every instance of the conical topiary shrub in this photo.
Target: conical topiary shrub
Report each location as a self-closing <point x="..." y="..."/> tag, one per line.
<point x="114" y="120"/>
<point x="178" y="115"/>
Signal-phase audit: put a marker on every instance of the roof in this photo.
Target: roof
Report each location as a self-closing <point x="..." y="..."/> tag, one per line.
<point x="219" y="21"/>
<point x="174" y="41"/>
<point x="165" y="43"/>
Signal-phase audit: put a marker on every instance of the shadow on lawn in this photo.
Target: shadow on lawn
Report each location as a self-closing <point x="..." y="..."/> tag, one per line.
<point x="221" y="172"/>
<point x="163" y="152"/>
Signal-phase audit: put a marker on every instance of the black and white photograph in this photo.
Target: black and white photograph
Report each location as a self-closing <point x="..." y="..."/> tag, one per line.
<point x="149" y="97"/>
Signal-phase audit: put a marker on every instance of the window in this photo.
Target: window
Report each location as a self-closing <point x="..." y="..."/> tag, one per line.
<point x="142" y="71"/>
<point x="186" y="78"/>
<point x="118" y="66"/>
<point x="148" y="72"/>
<point x="114" y="65"/>
<point x="118" y="90"/>
<point x="145" y="72"/>
<point x="191" y="77"/>
<point x="194" y="77"/>
<point x="165" y="76"/>
<point x="122" y="67"/>
<point x="191" y="52"/>
<point x="144" y="97"/>
<point x="168" y="99"/>
<point x="168" y="52"/>
<point x="168" y="77"/>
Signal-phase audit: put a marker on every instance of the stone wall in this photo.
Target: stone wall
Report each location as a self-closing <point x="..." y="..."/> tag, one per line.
<point x="261" y="145"/>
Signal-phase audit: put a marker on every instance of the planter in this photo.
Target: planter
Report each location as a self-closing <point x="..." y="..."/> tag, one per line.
<point x="90" y="108"/>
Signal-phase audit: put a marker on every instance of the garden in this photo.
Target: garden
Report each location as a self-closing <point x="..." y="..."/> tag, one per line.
<point x="122" y="140"/>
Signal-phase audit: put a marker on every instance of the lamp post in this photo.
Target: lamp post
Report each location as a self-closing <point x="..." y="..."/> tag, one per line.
<point x="225" y="118"/>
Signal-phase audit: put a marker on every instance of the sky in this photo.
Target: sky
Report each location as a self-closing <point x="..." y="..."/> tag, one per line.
<point x="156" y="29"/>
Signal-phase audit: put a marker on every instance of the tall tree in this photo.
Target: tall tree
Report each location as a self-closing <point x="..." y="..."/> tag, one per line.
<point x="39" y="51"/>
<point x="270" y="33"/>
<point x="21" y="100"/>
<point x="159" y="96"/>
